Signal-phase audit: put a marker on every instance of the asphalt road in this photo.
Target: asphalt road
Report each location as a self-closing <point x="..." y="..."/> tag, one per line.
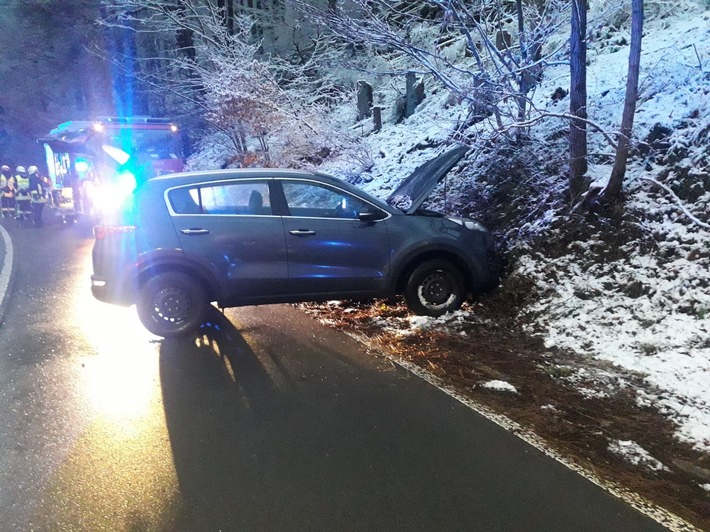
<point x="266" y="420"/>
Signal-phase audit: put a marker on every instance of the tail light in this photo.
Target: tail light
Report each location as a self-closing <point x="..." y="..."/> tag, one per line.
<point x="103" y="231"/>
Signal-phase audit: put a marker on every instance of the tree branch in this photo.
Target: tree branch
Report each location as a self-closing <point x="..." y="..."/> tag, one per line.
<point x="678" y="202"/>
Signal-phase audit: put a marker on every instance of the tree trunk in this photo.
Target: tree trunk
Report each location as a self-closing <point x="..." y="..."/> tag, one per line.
<point x="229" y="14"/>
<point x="578" y="100"/>
<point x="185" y="38"/>
<point x="522" y="88"/>
<point x="612" y="192"/>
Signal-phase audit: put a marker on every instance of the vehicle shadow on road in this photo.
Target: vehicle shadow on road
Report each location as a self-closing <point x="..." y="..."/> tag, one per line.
<point x="217" y="358"/>
<point x="213" y="386"/>
<point x="259" y="441"/>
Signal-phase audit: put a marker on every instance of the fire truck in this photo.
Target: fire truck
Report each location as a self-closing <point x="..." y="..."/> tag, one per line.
<point x="94" y="164"/>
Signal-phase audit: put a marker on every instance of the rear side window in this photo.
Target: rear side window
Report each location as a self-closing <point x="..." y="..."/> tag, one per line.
<point x="185" y="200"/>
<point x="250" y="198"/>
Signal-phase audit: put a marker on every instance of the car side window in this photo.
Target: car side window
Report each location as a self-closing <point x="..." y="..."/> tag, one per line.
<point x="248" y="198"/>
<point x="185" y="200"/>
<point x="316" y="201"/>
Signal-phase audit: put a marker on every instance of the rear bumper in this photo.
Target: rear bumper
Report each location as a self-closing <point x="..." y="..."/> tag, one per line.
<point x="106" y="292"/>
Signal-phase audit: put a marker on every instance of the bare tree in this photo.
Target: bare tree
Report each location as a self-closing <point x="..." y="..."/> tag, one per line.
<point x="612" y="191"/>
<point x="578" y="100"/>
<point x="498" y="79"/>
<point x="218" y="70"/>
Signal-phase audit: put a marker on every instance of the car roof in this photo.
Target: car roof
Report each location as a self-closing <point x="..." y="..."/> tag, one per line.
<point x="200" y="176"/>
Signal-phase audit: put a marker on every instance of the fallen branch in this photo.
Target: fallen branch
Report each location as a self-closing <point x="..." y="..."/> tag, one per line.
<point x="679" y="203"/>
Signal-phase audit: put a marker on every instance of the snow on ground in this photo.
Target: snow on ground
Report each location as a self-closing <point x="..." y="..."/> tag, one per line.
<point x="650" y="312"/>
<point x="632" y="452"/>
<point x="501" y="386"/>
<point x="647" y="313"/>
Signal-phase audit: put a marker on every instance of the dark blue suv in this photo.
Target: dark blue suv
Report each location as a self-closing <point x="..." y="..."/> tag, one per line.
<point x="257" y="236"/>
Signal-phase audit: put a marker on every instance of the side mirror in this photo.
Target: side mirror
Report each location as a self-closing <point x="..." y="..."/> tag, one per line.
<point x="368" y="215"/>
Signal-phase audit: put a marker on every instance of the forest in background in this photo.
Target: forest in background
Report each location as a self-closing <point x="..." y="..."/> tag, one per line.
<point x="267" y="74"/>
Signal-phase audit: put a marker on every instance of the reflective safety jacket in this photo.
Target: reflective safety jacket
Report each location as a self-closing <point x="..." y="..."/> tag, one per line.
<point x="23" y="182"/>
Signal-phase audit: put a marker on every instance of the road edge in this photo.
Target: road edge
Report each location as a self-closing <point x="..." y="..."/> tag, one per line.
<point x="657" y="513"/>
<point x="6" y="272"/>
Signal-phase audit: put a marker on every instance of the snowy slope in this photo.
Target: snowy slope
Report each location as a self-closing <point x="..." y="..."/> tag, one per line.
<point x="648" y="312"/>
<point x="662" y="330"/>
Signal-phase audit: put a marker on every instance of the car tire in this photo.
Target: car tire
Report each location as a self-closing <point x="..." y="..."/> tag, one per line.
<point x="172" y="304"/>
<point x="434" y="288"/>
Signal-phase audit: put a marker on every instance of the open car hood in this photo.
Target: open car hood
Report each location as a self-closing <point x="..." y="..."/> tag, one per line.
<point x="412" y="192"/>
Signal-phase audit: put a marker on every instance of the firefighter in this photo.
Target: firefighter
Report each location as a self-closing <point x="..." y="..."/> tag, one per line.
<point x="38" y="193"/>
<point x="5" y="174"/>
<point x="7" y="198"/>
<point x="22" y="180"/>
<point x="22" y="197"/>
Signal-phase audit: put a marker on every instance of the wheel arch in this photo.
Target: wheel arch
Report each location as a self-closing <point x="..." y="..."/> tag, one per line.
<point x="206" y="279"/>
<point x="408" y="266"/>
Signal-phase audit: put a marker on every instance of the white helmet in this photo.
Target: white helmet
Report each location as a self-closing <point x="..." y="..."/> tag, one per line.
<point x="4" y="168"/>
<point x="32" y="170"/>
<point x="20" y="170"/>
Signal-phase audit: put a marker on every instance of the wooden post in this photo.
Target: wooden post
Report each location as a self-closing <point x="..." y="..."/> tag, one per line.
<point x="364" y="100"/>
<point x="410" y="105"/>
<point x="414" y="94"/>
<point x="377" y="118"/>
<point x="503" y="40"/>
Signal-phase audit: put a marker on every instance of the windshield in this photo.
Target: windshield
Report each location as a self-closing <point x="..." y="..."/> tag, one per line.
<point x="155" y="143"/>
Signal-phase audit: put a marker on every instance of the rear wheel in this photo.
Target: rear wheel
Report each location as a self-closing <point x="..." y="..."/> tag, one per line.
<point x="434" y="288"/>
<point x="172" y="304"/>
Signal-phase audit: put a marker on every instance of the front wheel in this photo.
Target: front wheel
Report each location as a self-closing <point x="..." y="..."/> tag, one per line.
<point x="434" y="288"/>
<point x="172" y="304"/>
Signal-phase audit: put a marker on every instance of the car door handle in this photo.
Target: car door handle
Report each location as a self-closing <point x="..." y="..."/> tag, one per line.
<point x="195" y="231"/>
<point x="302" y="232"/>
